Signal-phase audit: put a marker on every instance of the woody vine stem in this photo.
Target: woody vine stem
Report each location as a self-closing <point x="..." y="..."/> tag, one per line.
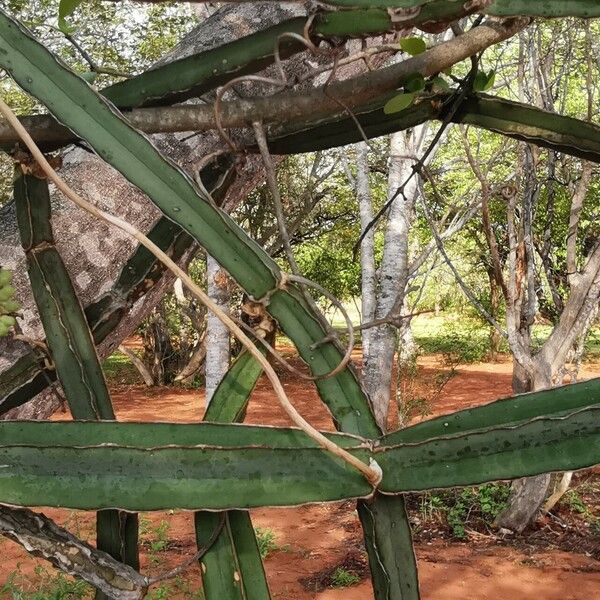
<point x="371" y="472"/>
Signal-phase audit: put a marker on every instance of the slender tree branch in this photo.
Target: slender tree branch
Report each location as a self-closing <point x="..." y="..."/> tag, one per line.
<point x="461" y="282"/>
<point x="290" y="107"/>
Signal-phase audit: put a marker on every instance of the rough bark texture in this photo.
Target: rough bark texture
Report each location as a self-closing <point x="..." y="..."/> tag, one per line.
<point x="217" y="335"/>
<point x="393" y="276"/>
<point x="42" y="537"/>
<point x="94" y="253"/>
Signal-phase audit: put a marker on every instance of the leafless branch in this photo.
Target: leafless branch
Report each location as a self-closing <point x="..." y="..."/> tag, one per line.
<point x="289" y="107"/>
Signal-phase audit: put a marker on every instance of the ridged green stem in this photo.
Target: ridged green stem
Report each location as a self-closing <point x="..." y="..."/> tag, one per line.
<point x="232" y="568"/>
<point x="70" y="344"/>
<point x="136" y="466"/>
<point x="28" y="376"/>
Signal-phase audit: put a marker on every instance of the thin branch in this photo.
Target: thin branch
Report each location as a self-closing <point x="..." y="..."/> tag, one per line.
<point x="290" y="107"/>
<point x="463" y="286"/>
<point x="93" y="65"/>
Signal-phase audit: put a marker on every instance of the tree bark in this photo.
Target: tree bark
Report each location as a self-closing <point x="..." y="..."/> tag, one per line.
<point x="393" y="276"/>
<point x="367" y="246"/>
<point x="217" y="335"/>
<point x="138" y="363"/>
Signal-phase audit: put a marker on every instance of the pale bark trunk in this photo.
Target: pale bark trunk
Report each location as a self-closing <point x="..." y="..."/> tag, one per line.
<point x="217" y="335"/>
<point x="367" y="246"/>
<point x="138" y="363"/>
<point x="393" y="277"/>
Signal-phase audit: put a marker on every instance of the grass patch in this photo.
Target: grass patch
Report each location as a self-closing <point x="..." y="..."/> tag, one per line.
<point x="44" y="585"/>
<point x="118" y="369"/>
<point x="342" y="577"/>
<point x="462" y="509"/>
<point x="265" y="538"/>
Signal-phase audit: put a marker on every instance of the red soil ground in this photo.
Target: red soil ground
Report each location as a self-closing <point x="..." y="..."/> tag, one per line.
<point x="312" y="540"/>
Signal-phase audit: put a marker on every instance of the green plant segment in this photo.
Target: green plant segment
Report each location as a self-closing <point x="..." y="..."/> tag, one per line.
<point x="512" y="119"/>
<point x="194" y="75"/>
<point x="70" y="343"/>
<point x="538" y="8"/>
<point x="222" y="465"/>
<point x="232" y="565"/>
<point x="68" y="337"/>
<point x="236" y="466"/>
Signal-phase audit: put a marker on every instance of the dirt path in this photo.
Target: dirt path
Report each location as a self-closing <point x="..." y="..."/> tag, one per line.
<point x="308" y="543"/>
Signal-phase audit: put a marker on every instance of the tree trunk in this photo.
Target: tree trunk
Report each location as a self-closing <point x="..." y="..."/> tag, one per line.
<point x="527" y="494"/>
<point x="393" y="277"/>
<point x="495" y="337"/>
<point x="217" y="335"/>
<point x="93" y="252"/>
<point x="139" y="364"/>
<point x="367" y="246"/>
<point x="526" y="498"/>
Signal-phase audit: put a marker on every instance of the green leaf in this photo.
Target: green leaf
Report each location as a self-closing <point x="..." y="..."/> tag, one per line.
<point x="228" y="404"/>
<point x="439" y="84"/>
<point x="415" y="83"/>
<point x="65" y="8"/>
<point x="136" y="466"/>
<point x="413" y="45"/>
<point x="398" y="103"/>
<point x="484" y="81"/>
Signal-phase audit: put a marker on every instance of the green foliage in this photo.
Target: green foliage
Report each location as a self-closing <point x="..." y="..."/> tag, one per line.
<point x="342" y="578"/>
<point x="265" y="539"/>
<point x="413" y="45"/>
<point x="484" y="81"/>
<point x="179" y="587"/>
<point x="65" y="8"/>
<point x="118" y="369"/>
<point x="45" y="585"/>
<point x="465" y="508"/>
<point x="412" y="86"/>
<point x="575" y="503"/>
<point x="8" y="305"/>
<point x="459" y="338"/>
<point x="156" y="538"/>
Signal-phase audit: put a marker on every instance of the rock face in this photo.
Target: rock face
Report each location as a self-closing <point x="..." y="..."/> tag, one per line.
<point x="95" y="253"/>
